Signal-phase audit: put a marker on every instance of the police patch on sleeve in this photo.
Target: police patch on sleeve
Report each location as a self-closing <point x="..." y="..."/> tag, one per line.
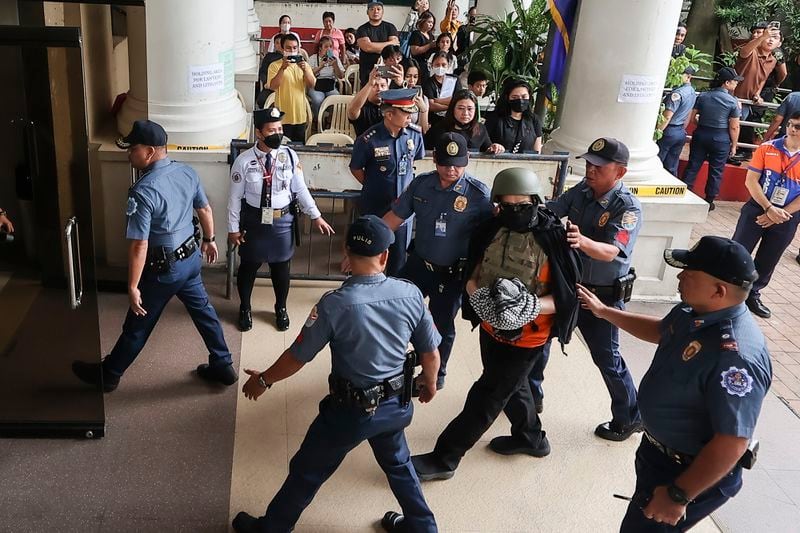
<point x="629" y="220"/>
<point x="736" y="381"/>
<point x="312" y="317"/>
<point x="236" y="177"/>
<point x="675" y="97"/>
<point x="132" y="206"/>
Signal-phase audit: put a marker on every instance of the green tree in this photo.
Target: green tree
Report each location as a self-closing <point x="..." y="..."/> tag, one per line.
<point x="747" y="12"/>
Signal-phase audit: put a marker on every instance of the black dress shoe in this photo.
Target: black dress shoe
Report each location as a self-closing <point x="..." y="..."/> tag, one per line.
<point x="429" y="467"/>
<point x="757" y="307"/>
<point x="512" y="445"/>
<point x="711" y="206"/>
<point x="797" y="259"/>
<point x="613" y="432"/>
<point x="281" y="319"/>
<point x="95" y="374"/>
<point x="245" y="320"/>
<point x="392" y="521"/>
<point x="224" y="374"/>
<point x="245" y="523"/>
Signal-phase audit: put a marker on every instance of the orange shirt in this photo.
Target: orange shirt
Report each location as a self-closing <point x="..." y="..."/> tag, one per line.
<point x="536" y="333"/>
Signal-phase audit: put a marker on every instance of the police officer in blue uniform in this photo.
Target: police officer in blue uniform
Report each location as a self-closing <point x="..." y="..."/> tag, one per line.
<point x="449" y="204"/>
<point x="717" y="132"/>
<point x="368" y="322"/>
<point x="604" y="221"/>
<point x="383" y="162"/>
<point x="701" y="397"/>
<point x="163" y="259"/>
<point x="267" y="185"/>
<point x="677" y="106"/>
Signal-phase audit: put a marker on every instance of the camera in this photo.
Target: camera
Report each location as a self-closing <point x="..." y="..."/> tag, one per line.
<point x="383" y="71"/>
<point x="294" y="59"/>
<point x="6" y="237"/>
<point x="775" y="24"/>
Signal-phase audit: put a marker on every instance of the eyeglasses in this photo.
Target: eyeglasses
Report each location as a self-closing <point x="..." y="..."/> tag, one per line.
<point x="515" y="208"/>
<point x="793" y="126"/>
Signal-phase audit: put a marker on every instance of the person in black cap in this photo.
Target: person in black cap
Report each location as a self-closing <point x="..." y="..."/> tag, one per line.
<point x="717" y="132"/>
<point x="701" y="397"/>
<point x="678" y="104"/>
<point x="266" y="181"/>
<point x="368" y="322"/>
<point x="449" y="204"/>
<point x="162" y="259"/>
<point x="604" y="219"/>
<point x="383" y="162"/>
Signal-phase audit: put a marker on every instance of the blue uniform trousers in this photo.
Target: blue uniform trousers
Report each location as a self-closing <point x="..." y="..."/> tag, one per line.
<point x="502" y="387"/>
<point x="670" y="146"/>
<point x="444" y="293"/>
<point x="773" y="241"/>
<point x="397" y="251"/>
<point x="653" y="469"/>
<point x="536" y="377"/>
<point x="712" y="145"/>
<point x="602" y="338"/>
<point x="333" y="433"/>
<point x="184" y="281"/>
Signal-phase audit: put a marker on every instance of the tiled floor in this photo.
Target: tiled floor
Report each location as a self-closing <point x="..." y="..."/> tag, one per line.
<point x="782" y="296"/>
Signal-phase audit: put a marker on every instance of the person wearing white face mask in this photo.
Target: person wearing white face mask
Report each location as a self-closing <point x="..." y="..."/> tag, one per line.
<point x="436" y="87"/>
<point x="285" y="24"/>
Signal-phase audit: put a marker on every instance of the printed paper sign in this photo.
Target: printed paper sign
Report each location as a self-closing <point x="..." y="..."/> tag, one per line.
<point x="206" y="79"/>
<point x="640" y="89"/>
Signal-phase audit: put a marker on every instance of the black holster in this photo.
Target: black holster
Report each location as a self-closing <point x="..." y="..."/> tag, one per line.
<point x="408" y="377"/>
<point x="294" y="209"/>
<point x="623" y="286"/>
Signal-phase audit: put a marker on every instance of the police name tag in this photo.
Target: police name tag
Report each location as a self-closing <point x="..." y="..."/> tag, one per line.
<point x="779" y="195"/>
<point x="440" y="228"/>
<point x="267" y="215"/>
<point x="402" y="167"/>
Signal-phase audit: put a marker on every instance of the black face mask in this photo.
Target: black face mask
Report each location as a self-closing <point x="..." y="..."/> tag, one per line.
<point x="519" y="106"/>
<point x="519" y="219"/>
<point x="273" y="141"/>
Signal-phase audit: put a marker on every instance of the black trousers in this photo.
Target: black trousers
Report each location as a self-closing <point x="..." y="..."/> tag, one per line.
<point x="246" y="278"/>
<point x="502" y="387"/>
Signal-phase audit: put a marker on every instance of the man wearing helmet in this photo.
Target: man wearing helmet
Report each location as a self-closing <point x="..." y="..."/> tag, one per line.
<point x="522" y="292"/>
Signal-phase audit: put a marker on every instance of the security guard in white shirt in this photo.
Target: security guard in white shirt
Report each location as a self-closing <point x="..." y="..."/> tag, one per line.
<point x="267" y="187"/>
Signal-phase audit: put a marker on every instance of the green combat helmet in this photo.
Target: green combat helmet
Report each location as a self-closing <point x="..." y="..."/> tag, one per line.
<point x="517" y="181"/>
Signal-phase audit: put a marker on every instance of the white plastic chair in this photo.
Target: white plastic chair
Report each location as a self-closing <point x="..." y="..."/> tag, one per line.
<point x="336" y="139"/>
<point x="339" y="121"/>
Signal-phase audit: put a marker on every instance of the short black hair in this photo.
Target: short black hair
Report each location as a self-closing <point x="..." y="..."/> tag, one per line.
<point x="350" y="30"/>
<point x="289" y="37"/>
<point x="794" y="116"/>
<point x="389" y="50"/>
<point x="476" y="76"/>
<point x="284" y="17"/>
<point x="328" y="15"/>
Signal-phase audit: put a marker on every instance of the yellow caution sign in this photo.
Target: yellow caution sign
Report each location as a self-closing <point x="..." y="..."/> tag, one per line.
<point x="658" y="190"/>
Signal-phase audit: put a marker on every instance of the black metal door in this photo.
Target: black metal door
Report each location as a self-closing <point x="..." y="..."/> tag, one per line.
<point x="48" y="293"/>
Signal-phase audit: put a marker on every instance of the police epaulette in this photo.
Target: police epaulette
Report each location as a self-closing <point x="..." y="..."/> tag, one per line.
<point x="368" y="134"/>
<point x="415" y="127"/>
<point x="727" y="340"/>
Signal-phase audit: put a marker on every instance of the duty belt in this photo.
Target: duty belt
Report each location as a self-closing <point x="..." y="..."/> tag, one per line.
<point x="457" y="268"/>
<point x="678" y="457"/>
<point x="278" y="213"/>
<point x="344" y="392"/>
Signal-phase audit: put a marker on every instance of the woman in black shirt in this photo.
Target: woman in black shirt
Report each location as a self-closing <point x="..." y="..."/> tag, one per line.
<point x="423" y="43"/>
<point x="432" y="88"/>
<point x="512" y="123"/>
<point x="461" y="117"/>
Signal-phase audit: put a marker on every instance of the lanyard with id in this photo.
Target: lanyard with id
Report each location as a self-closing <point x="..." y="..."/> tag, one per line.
<point x="781" y="193"/>
<point x="267" y="213"/>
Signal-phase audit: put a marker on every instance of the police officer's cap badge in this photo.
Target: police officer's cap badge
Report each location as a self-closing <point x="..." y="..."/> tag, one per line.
<point x="131" y="208"/>
<point x="452" y="149"/>
<point x="691" y="350"/>
<point x="410" y="145"/>
<point x="598" y="145"/>
<point x="736" y="381"/>
<point x="460" y="204"/>
<point x="275" y="113"/>
<point x="603" y="219"/>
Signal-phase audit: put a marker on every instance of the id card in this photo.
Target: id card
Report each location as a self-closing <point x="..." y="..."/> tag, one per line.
<point x="440" y="228"/>
<point x="402" y="167"/>
<point x="267" y="215"/>
<point x="779" y="195"/>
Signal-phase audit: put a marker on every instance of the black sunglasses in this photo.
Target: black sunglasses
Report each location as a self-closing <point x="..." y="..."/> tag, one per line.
<point x="515" y="208"/>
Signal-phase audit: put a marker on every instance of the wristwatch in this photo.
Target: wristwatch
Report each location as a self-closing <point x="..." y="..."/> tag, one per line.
<point x="210" y="239"/>
<point x="677" y="495"/>
<point x="262" y="382"/>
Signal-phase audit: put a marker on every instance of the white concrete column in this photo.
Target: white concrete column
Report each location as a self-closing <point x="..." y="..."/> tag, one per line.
<point x="615" y="80"/>
<point x="246" y="59"/>
<point x="253" y="24"/>
<point x="135" y="106"/>
<point x="190" y="73"/>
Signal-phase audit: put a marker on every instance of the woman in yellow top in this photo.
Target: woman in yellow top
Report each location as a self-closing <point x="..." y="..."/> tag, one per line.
<point x="450" y="22"/>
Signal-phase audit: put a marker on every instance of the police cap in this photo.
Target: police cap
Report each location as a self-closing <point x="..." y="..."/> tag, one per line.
<point x="144" y="132"/>
<point x="517" y="180"/>
<point x="265" y="116"/>
<point x="725" y="259"/>
<point x="451" y="150"/>
<point x="728" y="74"/>
<point x="369" y="236"/>
<point x="607" y="150"/>
<point x="402" y="99"/>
